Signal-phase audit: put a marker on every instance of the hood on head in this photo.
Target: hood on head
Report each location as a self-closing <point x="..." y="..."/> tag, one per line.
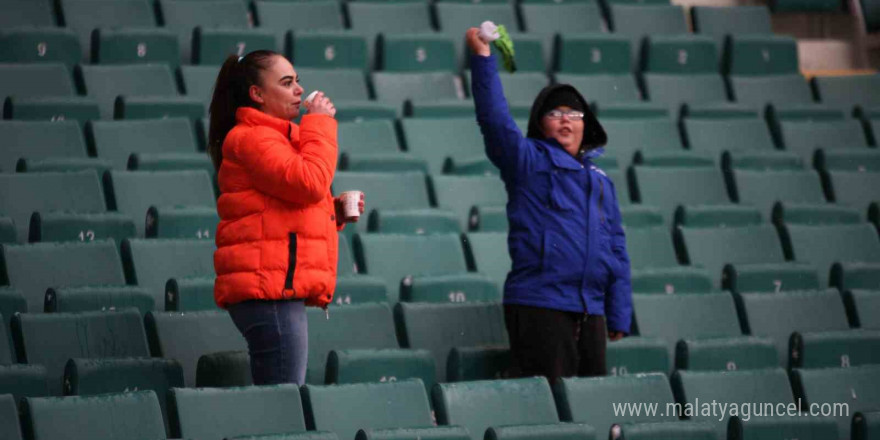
<point x="594" y="134"/>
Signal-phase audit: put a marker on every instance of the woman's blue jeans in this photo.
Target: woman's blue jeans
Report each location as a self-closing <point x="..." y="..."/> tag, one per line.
<point x="278" y="339"/>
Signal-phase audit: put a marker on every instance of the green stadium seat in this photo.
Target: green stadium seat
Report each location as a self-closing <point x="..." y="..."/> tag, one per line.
<point x="106" y="83"/>
<point x="477" y="363"/>
<point x="673" y="90"/>
<point x="455" y="18"/>
<point x="282" y="17"/>
<point x="207" y="413"/>
<point x="391" y="191"/>
<point x="101" y="298"/>
<point x="805" y="6"/>
<point x="51" y="339"/>
<point x="455" y="288"/>
<point x="11" y="302"/>
<point x="349" y="92"/>
<point x="185" y="337"/>
<point x="359" y="289"/>
<point x="81" y="17"/>
<point x="451" y="108"/>
<point x="89" y="377"/>
<point x="400" y="404"/>
<point x="368" y="137"/>
<point x="39" y="45"/>
<point x="224" y="369"/>
<point x="367" y="326"/>
<point x="861" y="308"/>
<point x="331" y="50"/>
<point x="371" y="18"/>
<point x="134" y="46"/>
<point x="35" y="80"/>
<point x="171" y="162"/>
<point x="413" y="221"/>
<point x="719" y="22"/>
<point x="787" y="426"/>
<point x="767" y="386"/>
<point x="158" y="107"/>
<point x="628" y="136"/>
<point x="435" y="433"/>
<point x="826" y="245"/>
<point x="756" y="55"/>
<point x="638" y="21"/>
<point x="761" y="160"/>
<point x="562" y="18"/>
<point x="849" y="159"/>
<point x="480" y="405"/>
<point x="133" y="415"/>
<point x="460" y="194"/>
<point x="674" y="318"/>
<point x="39" y="140"/>
<point x="603" y="88"/>
<point x="383" y="162"/>
<point x="28" y="13"/>
<point x="442" y="327"/>
<point x="11" y="428"/>
<point x="64" y="226"/>
<point x="865" y="424"/>
<point x="395" y="88"/>
<point x="198" y="81"/>
<point x="189" y="294"/>
<point x="848" y="91"/>
<point x="739" y="353"/>
<point x="487" y="254"/>
<point x="856" y="189"/>
<point x="459" y="138"/>
<point x="608" y="55"/>
<point x="416" y="53"/>
<point x="79" y="109"/>
<point x="488" y="219"/>
<point x="712" y="135"/>
<point x="774" y="89"/>
<point x="763" y="189"/>
<point x="355" y="366"/>
<point x="7" y="231"/>
<point x="815" y="214"/>
<point x="856" y="387"/>
<point x="33" y="268"/>
<point x="669" y="187"/>
<point x="147" y="262"/>
<point x="679" y="54"/>
<point x="134" y="192"/>
<point x="183" y="17"/>
<point x="61" y="164"/>
<point x="181" y="222"/>
<point x="397" y="257"/>
<point x="22" y="380"/>
<point x="633" y="355"/>
<point x="117" y="140"/>
<point x="213" y="46"/>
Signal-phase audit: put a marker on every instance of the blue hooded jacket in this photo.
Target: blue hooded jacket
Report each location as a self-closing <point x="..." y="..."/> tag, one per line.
<point x="566" y="240"/>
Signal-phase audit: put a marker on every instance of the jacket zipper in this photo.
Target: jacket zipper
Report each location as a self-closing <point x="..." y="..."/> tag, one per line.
<point x="601" y="200"/>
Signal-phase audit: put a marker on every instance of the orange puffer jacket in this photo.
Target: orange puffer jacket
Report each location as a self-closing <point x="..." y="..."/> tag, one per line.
<point x="277" y="233"/>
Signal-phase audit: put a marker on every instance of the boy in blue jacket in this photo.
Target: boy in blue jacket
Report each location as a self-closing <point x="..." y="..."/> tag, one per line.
<point x="570" y="279"/>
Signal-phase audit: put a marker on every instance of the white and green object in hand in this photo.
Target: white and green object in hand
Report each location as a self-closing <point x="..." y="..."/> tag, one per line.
<point x="498" y="36"/>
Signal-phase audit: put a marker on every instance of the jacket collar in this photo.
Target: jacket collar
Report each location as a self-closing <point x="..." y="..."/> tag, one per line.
<point x="252" y="116"/>
<point x="562" y="159"/>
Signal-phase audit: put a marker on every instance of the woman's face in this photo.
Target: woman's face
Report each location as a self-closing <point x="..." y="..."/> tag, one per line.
<point x="567" y="132"/>
<point x="279" y="93"/>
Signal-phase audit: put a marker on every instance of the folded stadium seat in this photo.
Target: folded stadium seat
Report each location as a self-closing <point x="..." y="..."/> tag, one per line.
<point x="708" y="340"/>
<point x="396" y="87"/>
<point x="767" y="386"/>
<point x="152" y="83"/>
<point x="79" y="109"/>
<point x="147" y="263"/>
<point x="764" y="69"/>
<point x="371" y="406"/>
<point x="639" y="21"/>
<point x="850" y="246"/>
<point x="359" y="289"/>
<point x="605" y="75"/>
<point x="186" y="337"/>
<point x="803" y="131"/>
<point x="627" y="136"/>
<point x="39" y="140"/>
<point x="332" y="49"/>
<point x="98" y="298"/>
<point x="437" y="140"/>
<point x="416" y="53"/>
<point x="719" y="22"/>
<point x="28" y="13"/>
<point x="634" y="354"/>
<point x="65" y="226"/>
<point x="490" y="405"/>
<point x="347" y="88"/>
<point x="371" y="19"/>
<point x="681" y="69"/>
<point x="198" y="81"/>
<point x="283" y="17"/>
<point x="714" y="129"/>
<point x="182" y="17"/>
<point x="848" y="91"/>
<point x="486" y="253"/>
<point x="84" y="16"/>
<point x="592" y="401"/>
<point x="133" y="415"/>
<point x="856" y="387"/>
<point x="189" y="294"/>
<point x="461" y="194"/>
<point x="753" y="259"/>
<point x="419" y="221"/>
<point x="207" y="413"/>
<point x="561" y="18"/>
<point x="850" y="159"/>
<point x="11" y="428"/>
<point x="667" y="187"/>
<point x="39" y="45"/>
<point x="11" y="302"/>
<point x="861" y="308"/>
<point x="60" y="265"/>
<point x="788" y="90"/>
<point x="63" y="164"/>
<point x="23" y="380"/>
<point x="441" y="327"/>
<point x="212" y="46"/>
<point x="653" y="262"/>
<point x="51" y="339"/>
<point x="118" y="140"/>
<point x="865" y="424"/>
<point x="764" y="188"/>
<point x="44" y="80"/>
<point x="134" y="46"/>
<point x="854" y="188"/>
<point x="89" y="377"/>
<point x="195" y="222"/>
<point x="373" y="146"/>
<point x="134" y="192"/>
<point x="370" y="365"/>
<point x="809" y="328"/>
<point x="783" y="6"/>
<point x="421" y="266"/>
<point x="478" y="363"/>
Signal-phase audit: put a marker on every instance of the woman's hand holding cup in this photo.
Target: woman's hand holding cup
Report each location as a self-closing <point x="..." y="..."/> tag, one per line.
<point x="318" y="104"/>
<point x="349" y="207"/>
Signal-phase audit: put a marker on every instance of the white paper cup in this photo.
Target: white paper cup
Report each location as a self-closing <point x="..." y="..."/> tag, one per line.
<point x="350" y="207"/>
<point x="309" y="98"/>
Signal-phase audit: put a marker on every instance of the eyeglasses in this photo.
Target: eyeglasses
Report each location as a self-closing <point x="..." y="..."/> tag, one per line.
<point x="572" y="115"/>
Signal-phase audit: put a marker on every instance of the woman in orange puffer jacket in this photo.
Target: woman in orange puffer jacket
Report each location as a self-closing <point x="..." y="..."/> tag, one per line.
<point x="276" y="241"/>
